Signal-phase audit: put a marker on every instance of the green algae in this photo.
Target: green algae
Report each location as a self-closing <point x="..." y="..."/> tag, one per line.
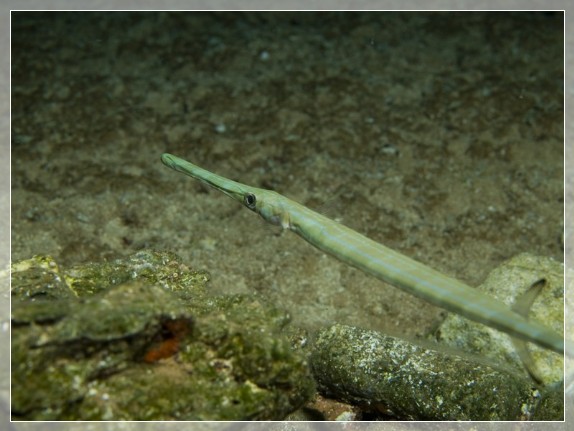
<point x="141" y="339"/>
<point x="162" y="268"/>
<point x="38" y="278"/>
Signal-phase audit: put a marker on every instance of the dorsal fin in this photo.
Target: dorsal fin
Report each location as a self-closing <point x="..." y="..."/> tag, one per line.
<point x="522" y="306"/>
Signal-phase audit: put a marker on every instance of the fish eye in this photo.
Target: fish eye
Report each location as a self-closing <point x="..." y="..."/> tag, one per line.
<point x="250" y="200"/>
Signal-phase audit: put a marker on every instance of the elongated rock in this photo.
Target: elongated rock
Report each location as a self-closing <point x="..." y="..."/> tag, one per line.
<point x="410" y="382"/>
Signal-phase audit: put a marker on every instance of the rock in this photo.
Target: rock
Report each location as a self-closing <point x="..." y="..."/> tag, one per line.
<point x="141" y="339"/>
<point x="410" y="382"/>
<point x="506" y="283"/>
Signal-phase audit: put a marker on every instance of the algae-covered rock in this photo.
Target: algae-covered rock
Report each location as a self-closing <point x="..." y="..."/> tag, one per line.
<point x="141" y="339"/>
<point x="410" y="382"/>
<point x="507" y="283"/>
